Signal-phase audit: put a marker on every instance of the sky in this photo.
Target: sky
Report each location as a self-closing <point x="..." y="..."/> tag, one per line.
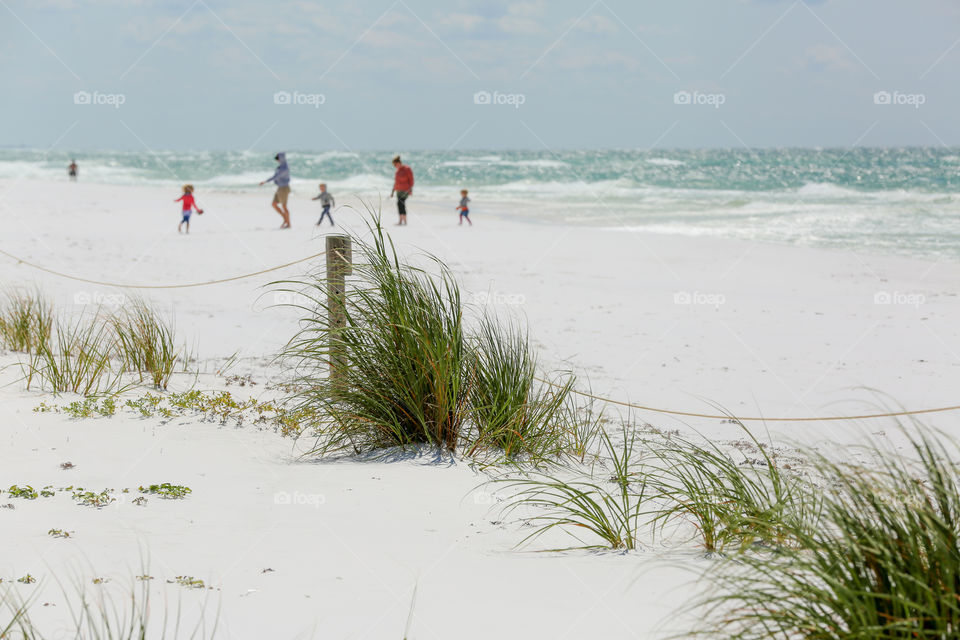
<point x="464" y="74"/>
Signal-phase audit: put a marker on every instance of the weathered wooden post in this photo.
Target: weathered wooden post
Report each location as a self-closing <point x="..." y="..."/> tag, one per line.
<point x="339" y="266"/>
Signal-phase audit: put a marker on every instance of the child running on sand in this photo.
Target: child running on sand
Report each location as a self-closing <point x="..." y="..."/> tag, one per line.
<point x="188" y="204"/>
<point x="464" y="207"/>
<point x="326" y="199"/>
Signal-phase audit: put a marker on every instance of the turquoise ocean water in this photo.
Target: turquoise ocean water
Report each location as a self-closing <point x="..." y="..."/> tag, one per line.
<point x="899" y="201"/>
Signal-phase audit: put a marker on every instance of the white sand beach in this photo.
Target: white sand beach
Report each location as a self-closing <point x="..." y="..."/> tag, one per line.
<point x="695" y="324"/>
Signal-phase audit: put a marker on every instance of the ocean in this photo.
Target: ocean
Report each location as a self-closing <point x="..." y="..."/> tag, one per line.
<point x="896" y="201"/>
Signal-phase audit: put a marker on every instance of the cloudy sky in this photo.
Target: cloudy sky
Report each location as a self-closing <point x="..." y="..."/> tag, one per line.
<point x="406" y="74"/>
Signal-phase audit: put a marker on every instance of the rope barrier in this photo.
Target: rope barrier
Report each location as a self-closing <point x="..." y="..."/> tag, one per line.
<point x="691" y="414"/>
<point x="156" y="286"/>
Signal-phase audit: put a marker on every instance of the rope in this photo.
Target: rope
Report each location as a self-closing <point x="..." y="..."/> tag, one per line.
<point x="621" y="403"/>
<point x="157" y="286"/>
<point x="690" y="414"/>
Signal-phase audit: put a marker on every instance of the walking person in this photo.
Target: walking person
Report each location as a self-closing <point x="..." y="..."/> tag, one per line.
<point x="403" y="187"/>
<point x="73" y="170"/>
<point x="189" y="205"/>
<point x="326" y="199"/>
<point x="464" y="207"/>
<point x="281" y="177"/>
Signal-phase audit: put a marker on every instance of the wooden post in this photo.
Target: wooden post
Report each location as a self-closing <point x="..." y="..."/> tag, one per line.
<point x="339" y="265"/>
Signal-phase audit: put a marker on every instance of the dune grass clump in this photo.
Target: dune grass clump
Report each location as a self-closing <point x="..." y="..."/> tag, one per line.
<point x="145" y="343"/>
<point x="77" y="358"/>
<point x="668" y="483"/>
<point x="612" y="510"/>
<point x="404" y="374"/>
<point x="403" y="367"/>
<point x="883" y="564"/>
<point x="88" y="353"/>
<point x="729" y="503"/>
<point x="104" y="614"/>
<point x="511" y="410"/>
<point x="26" y="321"/>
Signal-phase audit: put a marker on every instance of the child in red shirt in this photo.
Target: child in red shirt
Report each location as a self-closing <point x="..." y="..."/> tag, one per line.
<point x="188" y="205"/>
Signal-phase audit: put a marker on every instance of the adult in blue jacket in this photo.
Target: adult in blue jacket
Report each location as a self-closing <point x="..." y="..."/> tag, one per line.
<point x="281" y="177"/>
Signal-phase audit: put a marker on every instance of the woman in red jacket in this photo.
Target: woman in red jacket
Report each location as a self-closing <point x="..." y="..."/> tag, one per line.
<point x="403" y="187"/>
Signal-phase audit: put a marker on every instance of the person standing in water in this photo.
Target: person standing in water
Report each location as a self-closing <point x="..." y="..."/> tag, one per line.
<point x="281" y="177"/>
<point x="403" y="187"/>
<point x="73" y="170"/>
<point x="326" y="199"/>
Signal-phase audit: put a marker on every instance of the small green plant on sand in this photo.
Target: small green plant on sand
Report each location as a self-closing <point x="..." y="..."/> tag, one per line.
<point x="93" y="499"/>
<point x="189" y="582"/>
<point x="27" y="579"/>
<point x="220" y="407"/>
<point x="167" y="491"/>
<point x="89" y="407"/>
<point x="60" y="533"/>
<point x="26" y="492"/>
